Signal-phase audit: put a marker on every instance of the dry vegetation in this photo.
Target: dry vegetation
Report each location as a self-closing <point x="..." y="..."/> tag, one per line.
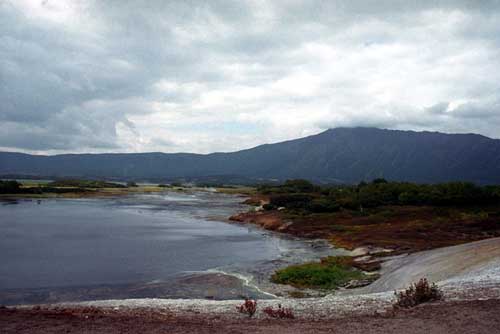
<point x="418" y="293"/>
<point x="395" y="216"/>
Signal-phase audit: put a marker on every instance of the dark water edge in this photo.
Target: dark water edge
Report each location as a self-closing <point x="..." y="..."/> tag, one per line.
<point x="237" y="260"/>
<point x="206" y="286"/>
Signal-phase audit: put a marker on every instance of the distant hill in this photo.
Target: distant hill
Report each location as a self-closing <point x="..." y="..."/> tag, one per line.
<point x="345" y="155"/>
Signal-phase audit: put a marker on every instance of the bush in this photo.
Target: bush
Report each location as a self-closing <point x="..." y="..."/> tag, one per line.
<point x="9" y="187"/>
<point x="269" y="207"/>
<point x="291" y="200"/>
<point x="249" y="307"/>
<point x="418" y="293"/>
<point x="74" y="183"/>
<point x="323" y="205"/>
<point x="301" y="194"/>
<point x="279" y="313"/>
<point x="131" y="184"/>
<point x="300" y="186"/>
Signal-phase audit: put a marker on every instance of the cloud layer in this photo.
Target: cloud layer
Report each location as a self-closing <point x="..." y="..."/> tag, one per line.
<point x="197" y="76"/>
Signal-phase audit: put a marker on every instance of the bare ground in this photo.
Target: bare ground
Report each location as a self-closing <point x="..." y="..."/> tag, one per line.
<point x="479" y="316"/>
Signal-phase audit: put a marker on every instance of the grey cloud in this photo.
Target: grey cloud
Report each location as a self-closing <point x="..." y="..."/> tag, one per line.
<point x="482" y="111"/>
<point x="438" y="108"/>
<point x="68" y="86"/>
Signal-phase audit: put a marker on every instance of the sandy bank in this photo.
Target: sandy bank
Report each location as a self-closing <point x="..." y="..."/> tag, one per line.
<point x="480" y="316"/>
<point x="475" y="262"/>
<point x="465" y="272"/>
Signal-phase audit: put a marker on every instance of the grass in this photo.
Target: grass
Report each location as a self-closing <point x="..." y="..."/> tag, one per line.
<point x="84" y="184"/>
<point x="330" y="273"/>
<point x="89" y="192"/>
<point x="105" y="189"/>
<point x="240" y="190"/>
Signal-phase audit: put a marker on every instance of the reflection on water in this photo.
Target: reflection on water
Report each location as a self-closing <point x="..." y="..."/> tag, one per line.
<point x="136" y="246"/>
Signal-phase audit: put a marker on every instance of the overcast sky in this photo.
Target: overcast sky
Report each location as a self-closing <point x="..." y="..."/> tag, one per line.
<point x="204" y="76"/>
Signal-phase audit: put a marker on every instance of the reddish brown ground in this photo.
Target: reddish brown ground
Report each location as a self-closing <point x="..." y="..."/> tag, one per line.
<point x="451" y="317"/>
<point x="401" y="228"/>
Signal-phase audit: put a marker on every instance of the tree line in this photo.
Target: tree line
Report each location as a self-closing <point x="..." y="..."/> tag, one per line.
<point x="302" y="194"/>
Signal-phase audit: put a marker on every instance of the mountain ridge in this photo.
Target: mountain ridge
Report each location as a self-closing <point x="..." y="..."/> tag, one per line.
<point x="345" y="155"/>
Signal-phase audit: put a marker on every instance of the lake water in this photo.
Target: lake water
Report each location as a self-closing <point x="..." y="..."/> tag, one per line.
<point x="168" y="245"/>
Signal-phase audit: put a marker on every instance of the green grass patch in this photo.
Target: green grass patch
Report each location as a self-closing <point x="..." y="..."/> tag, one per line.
<point x="85" y="184"/>
<point x="237" y="190"/>
<point x="330" y="273"/>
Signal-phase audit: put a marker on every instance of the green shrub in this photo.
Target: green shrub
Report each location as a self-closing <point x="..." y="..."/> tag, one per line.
<point x="84" y="184"/>
<point x="301" y="194"/>
<point x="331" y="273"/>
<point x="323" y="205"/>
<point x="10" y="187"/>
<point x="269" y="207"/>
<point x="300" y="186"/>
<point x="291" y="200"/>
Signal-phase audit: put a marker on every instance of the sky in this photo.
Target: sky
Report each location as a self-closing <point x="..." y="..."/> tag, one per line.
<point x="206" y="76"/>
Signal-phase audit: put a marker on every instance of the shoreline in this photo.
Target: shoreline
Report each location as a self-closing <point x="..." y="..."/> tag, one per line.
<point x="273" y="224"/>
<point x="470" y="290"/>
<point x="480" y="282"/>
<point x="311" y="309"/>
<point x="461" y="317"/>
<point x="237" y="279"/>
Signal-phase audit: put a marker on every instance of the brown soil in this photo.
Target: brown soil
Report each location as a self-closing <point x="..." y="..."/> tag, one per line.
<point x="270" y="220"/>
<point x="445" y="317"/>
<point x="400" y="228"/>
<point x="256" y="200"/>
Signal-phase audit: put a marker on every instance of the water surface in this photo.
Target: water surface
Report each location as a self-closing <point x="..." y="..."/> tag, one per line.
<point x="137" y="246"/>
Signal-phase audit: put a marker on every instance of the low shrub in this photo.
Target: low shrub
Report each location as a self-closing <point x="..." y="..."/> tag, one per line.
<point x="322" y="205"/>
<point x="291" y="200"/>
<point x="10" y="187"/>
<point x="332" y="272"/>
<point x="418" y="293"/>
<point x="279" y="313"/>
<point x="75" y="183"/>
<point x="249" y="307"/>
<point x="269" y="207"/>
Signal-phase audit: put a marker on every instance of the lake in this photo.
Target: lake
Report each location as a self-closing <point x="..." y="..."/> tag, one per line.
<point x="168" y="245"/>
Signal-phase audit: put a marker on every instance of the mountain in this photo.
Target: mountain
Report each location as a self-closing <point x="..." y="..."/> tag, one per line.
<point x="346" y="155"/>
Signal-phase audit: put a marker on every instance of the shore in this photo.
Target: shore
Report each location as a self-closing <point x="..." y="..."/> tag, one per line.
<point x="471" y="305"/>
<point x="384" y="230"/>
<point x="461" y="281"/>
<point x="92" y="193"/>
<point x="480" y="316"/>
<point x="477" y="315"/>
<point x="467" y="273"/>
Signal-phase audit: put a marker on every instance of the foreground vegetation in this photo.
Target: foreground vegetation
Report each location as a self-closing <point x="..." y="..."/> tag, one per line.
<point x="330" y="273"/>
<point x="403" y="217"/>
<point x="381" y="217"/>
<point x="418" y="293"/>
